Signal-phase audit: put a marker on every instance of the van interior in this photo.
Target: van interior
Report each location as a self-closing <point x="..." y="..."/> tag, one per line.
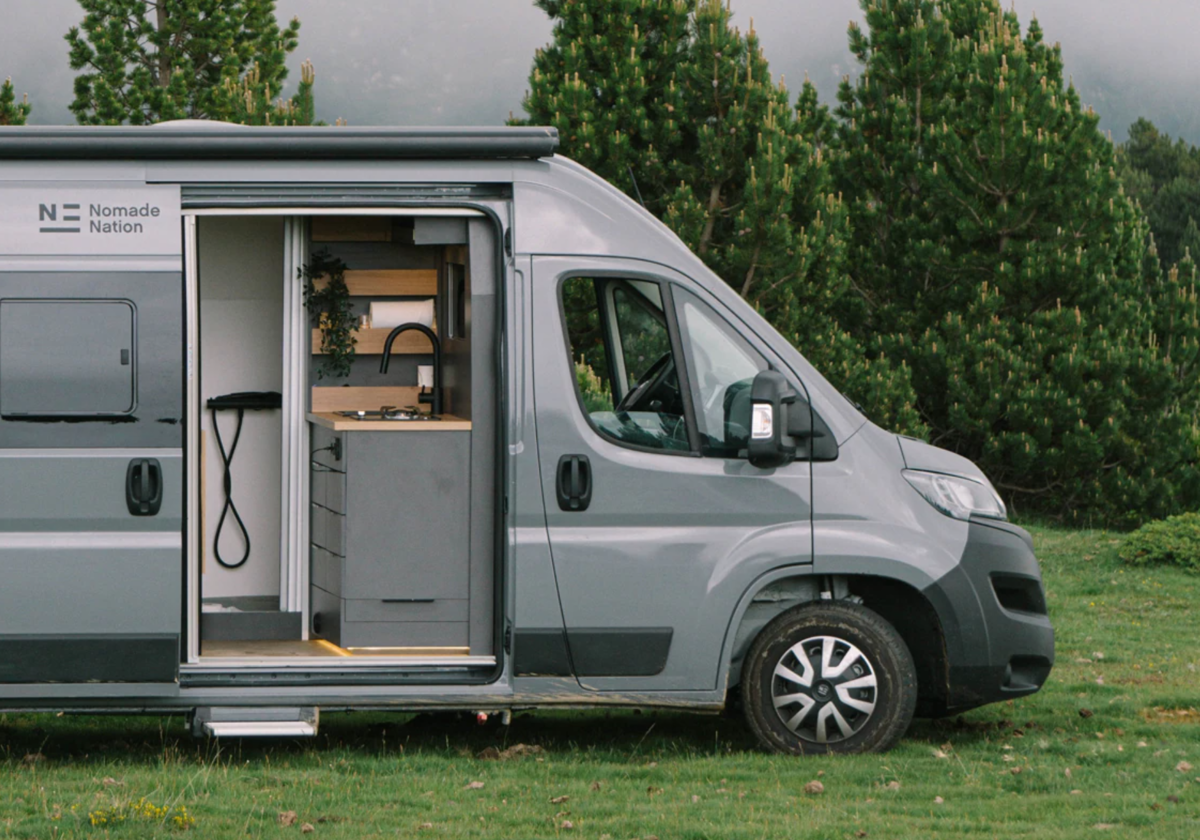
<point x="343" y="518"/>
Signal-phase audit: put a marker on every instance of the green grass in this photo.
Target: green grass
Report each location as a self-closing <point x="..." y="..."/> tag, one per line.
<point x="1128" y="651"/>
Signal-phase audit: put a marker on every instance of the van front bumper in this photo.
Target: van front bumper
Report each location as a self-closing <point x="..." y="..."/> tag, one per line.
<point x="999" y="643"/>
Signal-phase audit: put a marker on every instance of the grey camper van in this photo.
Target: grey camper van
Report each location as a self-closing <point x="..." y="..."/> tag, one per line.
<point x="566" y="465"/>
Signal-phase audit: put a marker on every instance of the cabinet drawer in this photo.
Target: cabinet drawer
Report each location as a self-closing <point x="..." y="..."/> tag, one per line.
<point x="328" y="488"/>
<point x="335" y="491"/>
<point x="444" y="609"/>
<point x="328" y="529"/>
<point x="318" y="478"/>
<point x="326" y="570"/>
<point x="318" y="560"/>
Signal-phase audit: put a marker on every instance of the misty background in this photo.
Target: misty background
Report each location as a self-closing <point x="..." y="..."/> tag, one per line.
<point x="466" y="62"/>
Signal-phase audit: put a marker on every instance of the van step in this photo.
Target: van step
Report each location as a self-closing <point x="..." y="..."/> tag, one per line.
<point x="259" y="729"/>
<point x="256" y="722"/>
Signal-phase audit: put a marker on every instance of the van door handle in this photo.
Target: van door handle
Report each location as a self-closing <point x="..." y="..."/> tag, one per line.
<point x="144" y="486"/>
<point x="574" y="484"/>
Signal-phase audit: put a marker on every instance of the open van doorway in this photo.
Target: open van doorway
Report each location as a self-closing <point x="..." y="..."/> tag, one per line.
<point x="342" y="517"/>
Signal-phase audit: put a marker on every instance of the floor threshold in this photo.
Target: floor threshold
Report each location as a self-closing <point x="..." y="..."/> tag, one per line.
<point x="331" y="663"/>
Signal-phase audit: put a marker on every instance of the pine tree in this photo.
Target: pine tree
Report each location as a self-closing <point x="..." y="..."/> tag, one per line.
<point x="677" y="106"/>
<point x="1189" y="244"/>
<point x="248" y="100"/>
<point x="12" y="112"/>
<point x="1164" y="177"/>
<point x="997" y="254"/>
<point x="145" y="61"/>
<point x="603" y="83"/>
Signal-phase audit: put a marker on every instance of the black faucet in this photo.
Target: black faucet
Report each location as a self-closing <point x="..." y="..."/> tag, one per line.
<point x="434" y="397"/>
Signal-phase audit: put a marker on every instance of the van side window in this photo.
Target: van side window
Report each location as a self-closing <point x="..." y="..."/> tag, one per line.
<point x="723" y="367"/>
<point x="625" y="370"/>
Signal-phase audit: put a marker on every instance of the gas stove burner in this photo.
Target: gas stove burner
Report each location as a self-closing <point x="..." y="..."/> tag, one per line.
<point x="391" y="413"/>
<point x="409" y="412"/>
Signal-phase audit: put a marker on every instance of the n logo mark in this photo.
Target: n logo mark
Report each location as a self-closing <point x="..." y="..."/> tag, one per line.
<point x="50" y="214"/>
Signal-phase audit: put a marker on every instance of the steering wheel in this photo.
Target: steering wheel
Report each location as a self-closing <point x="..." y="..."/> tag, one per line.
<point x="654" y="377"/>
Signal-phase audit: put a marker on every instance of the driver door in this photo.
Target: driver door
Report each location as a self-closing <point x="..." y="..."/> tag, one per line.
<point x="649" y="502"/>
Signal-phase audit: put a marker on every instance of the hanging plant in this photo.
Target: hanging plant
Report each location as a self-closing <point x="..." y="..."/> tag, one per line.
<point x="328" y="305"/>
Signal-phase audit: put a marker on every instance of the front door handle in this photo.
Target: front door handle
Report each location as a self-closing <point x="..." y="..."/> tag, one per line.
<point x="574" y="484"/>
<point x="144" y="486"/>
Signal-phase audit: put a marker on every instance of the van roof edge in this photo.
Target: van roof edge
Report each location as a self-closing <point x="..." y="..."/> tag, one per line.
<point x="237" y="142"/>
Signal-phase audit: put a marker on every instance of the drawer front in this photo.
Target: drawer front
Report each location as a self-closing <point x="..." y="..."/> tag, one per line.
<point x="317" y="564"/>
<point x="328" y="488"/>
<point x="333" y="573"/>
<point x="408" y="508"/>
<point x="316" y="525"/>
<point x="318" y="479"/>
<point x="328" y="529"/>
<point x="335" y="491"/>
<point x="326" y="570"/>
<point x="445" y="609"/>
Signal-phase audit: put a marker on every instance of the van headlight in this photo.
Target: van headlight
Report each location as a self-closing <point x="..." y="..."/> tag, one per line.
<point x="957" y="495"/>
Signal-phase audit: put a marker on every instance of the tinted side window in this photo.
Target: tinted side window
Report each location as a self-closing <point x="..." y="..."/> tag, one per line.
<point x="723" y="366"/>
<point x="625" y="370"/>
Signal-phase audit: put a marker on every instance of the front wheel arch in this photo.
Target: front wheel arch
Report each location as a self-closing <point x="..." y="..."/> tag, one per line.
<point x="829" y="677"/>
<point x="900" y="603"/>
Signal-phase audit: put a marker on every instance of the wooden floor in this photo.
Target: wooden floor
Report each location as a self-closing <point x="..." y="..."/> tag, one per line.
<point x="316" y="647"/>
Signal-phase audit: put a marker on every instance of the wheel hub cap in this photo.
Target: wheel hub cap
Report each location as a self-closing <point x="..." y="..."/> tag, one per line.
<point x="824" y="689"/>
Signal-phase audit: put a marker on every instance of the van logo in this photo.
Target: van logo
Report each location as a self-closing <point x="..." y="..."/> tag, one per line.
<point x="49" y="213"/>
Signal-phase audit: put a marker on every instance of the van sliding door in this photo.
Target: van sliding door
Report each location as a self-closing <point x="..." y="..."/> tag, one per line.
<point x="91" y="436"/>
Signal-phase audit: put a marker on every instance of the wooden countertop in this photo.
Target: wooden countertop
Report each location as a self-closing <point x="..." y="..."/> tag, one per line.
<point x="331" y="420"/>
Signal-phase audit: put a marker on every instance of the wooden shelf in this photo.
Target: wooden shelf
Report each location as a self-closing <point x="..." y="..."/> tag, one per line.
<point x="420" y="282"/>
<point x="370" y="342"/>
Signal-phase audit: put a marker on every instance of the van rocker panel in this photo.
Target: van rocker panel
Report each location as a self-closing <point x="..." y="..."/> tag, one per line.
<point x="127" y="658"/>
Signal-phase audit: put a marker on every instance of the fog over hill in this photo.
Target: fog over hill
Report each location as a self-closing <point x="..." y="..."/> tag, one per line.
<point x="421" y="62"/>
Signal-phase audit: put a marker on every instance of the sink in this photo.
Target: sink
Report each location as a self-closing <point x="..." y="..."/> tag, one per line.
<point x="391" y="413"/>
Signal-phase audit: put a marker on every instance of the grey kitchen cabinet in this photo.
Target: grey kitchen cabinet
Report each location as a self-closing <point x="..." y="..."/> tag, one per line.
<point x="390" y="537"/>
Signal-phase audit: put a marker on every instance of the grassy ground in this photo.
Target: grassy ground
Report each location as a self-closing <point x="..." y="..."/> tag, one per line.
<point x="1128" y="653"/>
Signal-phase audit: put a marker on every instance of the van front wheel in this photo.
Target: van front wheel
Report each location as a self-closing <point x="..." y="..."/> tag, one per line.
<point x="829" y="677"/>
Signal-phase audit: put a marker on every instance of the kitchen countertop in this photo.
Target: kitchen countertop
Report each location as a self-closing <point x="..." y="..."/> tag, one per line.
<point x="331" y="420"/>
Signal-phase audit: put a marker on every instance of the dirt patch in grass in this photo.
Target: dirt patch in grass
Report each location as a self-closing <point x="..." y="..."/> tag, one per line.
<point x="1159" y="714"/>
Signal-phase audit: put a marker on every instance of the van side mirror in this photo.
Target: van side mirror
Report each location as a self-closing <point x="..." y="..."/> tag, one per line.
<point x="783" y="426"/>
<point x="771" y="397"/>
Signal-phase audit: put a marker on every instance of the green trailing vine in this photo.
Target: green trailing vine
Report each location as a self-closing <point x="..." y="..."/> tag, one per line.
<point x="329" y="307"/>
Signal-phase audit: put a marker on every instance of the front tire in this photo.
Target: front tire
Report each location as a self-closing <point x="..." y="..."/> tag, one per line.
<point x="829" y="677"/>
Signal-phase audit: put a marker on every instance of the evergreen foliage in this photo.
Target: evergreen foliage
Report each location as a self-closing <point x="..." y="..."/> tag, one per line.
<point x="145" y="61"/>
<point x="672" y="103"/>
<point x="1164" y="177"/>
<point x="603" y="81"/>
<point x="1171" y="541"/>
<point x="997" y="254"/>
<point x="249" y="100"/>
<point x="13" y="112"/>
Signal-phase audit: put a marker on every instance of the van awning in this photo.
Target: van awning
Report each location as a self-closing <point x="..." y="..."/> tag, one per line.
<point x="224" y="141"/>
